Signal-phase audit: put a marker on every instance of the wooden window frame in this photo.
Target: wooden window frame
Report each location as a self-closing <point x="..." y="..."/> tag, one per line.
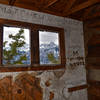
<point x="34" y="38"/>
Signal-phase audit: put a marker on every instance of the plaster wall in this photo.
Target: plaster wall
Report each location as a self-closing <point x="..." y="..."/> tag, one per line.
<point x="59" y="80"/>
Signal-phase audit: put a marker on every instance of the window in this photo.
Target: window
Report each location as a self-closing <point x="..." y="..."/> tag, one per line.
<point x="16" y="46"/>
<point x="26" y="46"/>
<point x="49" y="47"/>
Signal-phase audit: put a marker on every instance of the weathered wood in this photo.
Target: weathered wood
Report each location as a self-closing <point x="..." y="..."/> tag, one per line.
<point x="94" y="90"/>
<point x="30" y="68"/>
<point x="91" y="11"/>
<point x="82" y="6"/>
<point x="27" y="87"/>
<point x="76" y="88"/>
<point x="94" y="51"/>
<point x="93" y="61"/>
<point x="11" y="2"/>
<point x="96" y="24"/>
<point x="24" y="87"/>
<point x="92" y="66"/>
<point x="92" y="23"/>
<point x="35" y="48"/>
<point x="1" y="43"/>
<point x="97" y="14"/>
<point x="4" y="2"/>
<point x="5" y="88"/>
<point x="27" y="5"/>
<point x="51" y="2"/>
<point x="95" y="39"/>
<point x="87" y="11"/>
<point x="68" y="6"/>
<point x="61" y="8"/>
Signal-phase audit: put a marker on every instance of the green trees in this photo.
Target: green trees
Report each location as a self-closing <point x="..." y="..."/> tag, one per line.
<point x="9" y="55"/>
<point x="52" y="59"/>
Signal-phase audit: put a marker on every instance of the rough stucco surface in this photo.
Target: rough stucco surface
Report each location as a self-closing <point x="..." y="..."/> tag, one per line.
<point x="55" y="84"/>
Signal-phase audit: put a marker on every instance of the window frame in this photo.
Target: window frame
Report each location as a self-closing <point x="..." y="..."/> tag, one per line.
<point x="34" y="47"/>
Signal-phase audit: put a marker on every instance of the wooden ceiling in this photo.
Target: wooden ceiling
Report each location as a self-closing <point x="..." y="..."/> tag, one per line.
<point x="85" y="10"/>
<point x="77" y="9"/>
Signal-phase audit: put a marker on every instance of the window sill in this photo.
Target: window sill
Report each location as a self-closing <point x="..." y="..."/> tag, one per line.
<point x="31" y="68"/>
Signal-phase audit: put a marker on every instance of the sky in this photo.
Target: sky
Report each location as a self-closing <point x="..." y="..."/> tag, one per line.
<point x="14" y="30"/>
<point x="44" y="36"/>
<point x="47" y="37"/>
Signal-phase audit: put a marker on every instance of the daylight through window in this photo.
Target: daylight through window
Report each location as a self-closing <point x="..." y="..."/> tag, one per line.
<point x="26" y="46"/>
<point x="16" y="46"/>
<point x="49" y="47"/>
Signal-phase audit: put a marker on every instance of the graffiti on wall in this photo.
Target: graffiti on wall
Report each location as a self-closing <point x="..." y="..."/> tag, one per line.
<point x="76" y="60"/>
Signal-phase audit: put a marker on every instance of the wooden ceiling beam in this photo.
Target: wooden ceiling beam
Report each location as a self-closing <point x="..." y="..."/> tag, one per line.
<point x="81" y="6"/>
<point x="51" y="2"/>
<point x="92" y="12"/>
<point x="12" y="2"/>
<point x="69" y="5"/>
<point x="52" y="12"/>
<point x="26" y="6"/>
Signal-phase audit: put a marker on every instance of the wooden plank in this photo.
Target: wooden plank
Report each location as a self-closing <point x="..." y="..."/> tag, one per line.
<point x="94" y="90"/>
<point x="31" y="68"/>
<point x="94" y="51"/>
<point x="31" y="7"/>
<point x="95" y="24"/>
<point x="93" y="82"/>
<point x="4" y="2"/>
<point x="94" y="40"/>
<point x="35" y="47"/>
<point x="1" y="42"/>
<point x="93" y="60"/>
<point x="68" y="6"/>
<point x="27" y="5"/>
<point x="96" y="15"/>
<point x="92" y="10"/>
<point x="52" y="12"/>
<point x="76" y="88"/>
<point x="92" y="22"/>
<point x="11" y="2"/>
<point x="86" y="12"/>
<point x="82" y="6"/>
<point x="92" y="66"/>
<point x="51" y="2"/>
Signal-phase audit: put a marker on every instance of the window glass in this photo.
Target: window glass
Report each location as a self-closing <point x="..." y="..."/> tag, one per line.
<point x="49" y="47"/>
<point x="16" y="46"/>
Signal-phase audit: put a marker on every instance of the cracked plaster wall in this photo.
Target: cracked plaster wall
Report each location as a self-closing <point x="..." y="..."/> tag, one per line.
<point x="57" y="81"/>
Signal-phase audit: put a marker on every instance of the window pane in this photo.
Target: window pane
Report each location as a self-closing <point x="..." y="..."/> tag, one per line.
<point x="49" y="47"/>
<point x="16" y="46"/>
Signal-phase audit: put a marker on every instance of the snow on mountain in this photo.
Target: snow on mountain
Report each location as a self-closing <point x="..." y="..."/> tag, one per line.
<point x="45" y="49"/>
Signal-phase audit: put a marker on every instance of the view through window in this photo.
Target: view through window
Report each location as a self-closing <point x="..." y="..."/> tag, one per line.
<point x="16" y="46"/>
<point x="49" y="47"/>
<point x="26" y="46"/>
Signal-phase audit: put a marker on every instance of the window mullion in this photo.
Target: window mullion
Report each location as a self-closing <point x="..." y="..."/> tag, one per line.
<point x="62" y="46"/>
<point x="1" y="43"/>
<point x="35" y="47"/>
